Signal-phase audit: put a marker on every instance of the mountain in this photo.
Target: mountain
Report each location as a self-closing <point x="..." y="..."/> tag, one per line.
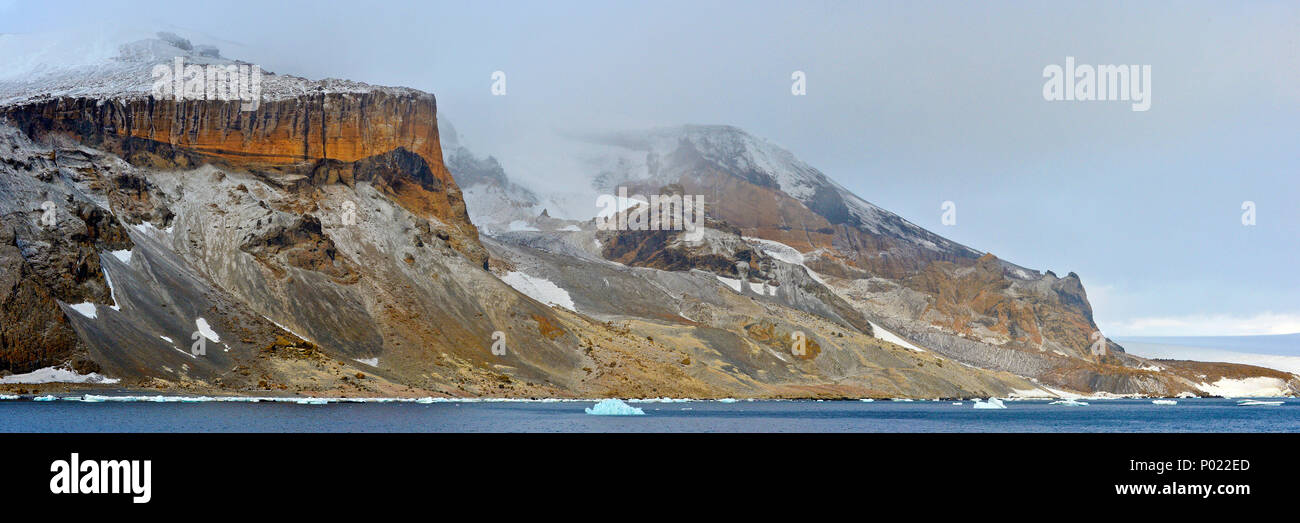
<point x="313" y="238"/>
<point x="788" y="222"/>
<point x="316" y="244"/>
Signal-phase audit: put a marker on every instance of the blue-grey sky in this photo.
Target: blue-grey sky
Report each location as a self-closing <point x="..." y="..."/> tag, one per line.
<point x="908" y="104"/>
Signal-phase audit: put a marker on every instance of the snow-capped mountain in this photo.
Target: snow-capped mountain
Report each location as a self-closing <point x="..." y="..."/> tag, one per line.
<point x="318" y="242"/>
<point x="785" y="215"/>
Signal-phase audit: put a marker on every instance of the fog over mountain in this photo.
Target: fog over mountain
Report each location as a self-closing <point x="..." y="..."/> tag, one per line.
<point x="400" y="212"/>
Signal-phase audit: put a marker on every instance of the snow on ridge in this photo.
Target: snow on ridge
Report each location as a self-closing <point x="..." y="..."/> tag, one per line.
<point x="119" y="66"/>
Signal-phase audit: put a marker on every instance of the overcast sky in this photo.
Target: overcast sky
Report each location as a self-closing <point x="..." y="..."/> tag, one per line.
<point x="908" y="104"/>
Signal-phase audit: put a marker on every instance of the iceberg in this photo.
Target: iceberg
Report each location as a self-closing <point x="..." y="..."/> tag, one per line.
<point x="1258" y="403"/>
<point x="727" y="400"/>
<point x="614" y="407"/>
<point x="992" y="403"/>
<point x="46" y="397"/>
<point x="1070" y="403"/>
<point x="1164" y="402"/>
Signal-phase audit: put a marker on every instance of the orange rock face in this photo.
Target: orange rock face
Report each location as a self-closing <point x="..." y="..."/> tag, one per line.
<point x="289" y="133"/>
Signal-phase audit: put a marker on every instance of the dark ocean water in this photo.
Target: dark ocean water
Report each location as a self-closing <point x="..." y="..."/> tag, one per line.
<point x="1194" y="415"/>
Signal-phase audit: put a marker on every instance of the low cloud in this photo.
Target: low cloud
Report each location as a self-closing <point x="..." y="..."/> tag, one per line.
<point x="1207" y="325"/>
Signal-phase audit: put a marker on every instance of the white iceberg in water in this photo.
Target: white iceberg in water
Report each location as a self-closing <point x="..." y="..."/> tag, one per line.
<point x="614" y="407"/>
<point x="992" y="403"/>
<point x="1164" y="402"/>
<point x="1070" y="403"/>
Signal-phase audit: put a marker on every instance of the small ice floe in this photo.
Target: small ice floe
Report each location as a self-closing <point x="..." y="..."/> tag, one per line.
<point x="614" y="407"/>
<point x="901" y="399"/>
<point x="425" y="400"/>
<point x="1070" y="403"/>
<point x="1165" y="402"/>
<point x="992" y="403"/>
<point x="958" y="403"/>
<point x="312" y="401"/>
<point x="5" y="397"/>
<point x="868" y="400"/>
<point x="727" y="400"/>
<point x="46" y="397"/>
<point x="1258" y="403"/>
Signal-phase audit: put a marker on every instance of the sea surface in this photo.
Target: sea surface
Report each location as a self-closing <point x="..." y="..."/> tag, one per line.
<point x="1189" y="415"/>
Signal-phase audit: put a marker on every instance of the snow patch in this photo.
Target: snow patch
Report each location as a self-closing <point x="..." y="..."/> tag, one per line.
<point x="86" y="309"/>
<point x="56" y="375"/>
<point x="733" y="283"/>
<point x="1255" y="387"/>
<point x="373" y="362"/>
<point x="123" y="255"/>
<point x="207" y="331"/>
<point x="881" y="334"/>
<point x="539" y="289"/>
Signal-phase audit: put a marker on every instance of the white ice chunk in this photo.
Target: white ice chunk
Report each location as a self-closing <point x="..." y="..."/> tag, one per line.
<point x="992" y="403"/>
<point x="614" y="407"/>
